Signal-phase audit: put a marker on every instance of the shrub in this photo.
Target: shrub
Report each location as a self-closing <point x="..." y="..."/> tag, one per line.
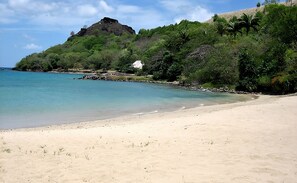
<point x="284" y="83"/>
<point x="220" y="68"/>
<point x="264" y="83"/>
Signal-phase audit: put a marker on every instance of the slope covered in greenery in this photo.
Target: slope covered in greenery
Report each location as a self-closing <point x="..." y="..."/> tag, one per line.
<point x="251" y="53"/>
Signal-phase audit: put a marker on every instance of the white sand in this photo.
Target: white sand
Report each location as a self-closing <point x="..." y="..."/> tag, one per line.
<point x="254" y="141"/>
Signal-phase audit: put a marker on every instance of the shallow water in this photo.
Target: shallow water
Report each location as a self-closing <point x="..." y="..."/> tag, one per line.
<point x="29" y="99"/>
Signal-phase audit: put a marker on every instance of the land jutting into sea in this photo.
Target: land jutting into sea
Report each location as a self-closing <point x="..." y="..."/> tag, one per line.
<point x="250" y="51"/>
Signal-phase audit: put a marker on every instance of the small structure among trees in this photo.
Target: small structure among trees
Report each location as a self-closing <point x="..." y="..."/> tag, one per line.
<point x="137" y="64"/>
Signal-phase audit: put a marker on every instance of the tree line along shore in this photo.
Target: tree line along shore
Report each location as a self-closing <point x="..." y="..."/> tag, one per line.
<point x="251" y="52"/>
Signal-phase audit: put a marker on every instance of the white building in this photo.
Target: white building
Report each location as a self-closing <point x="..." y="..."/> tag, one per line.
<point x="137" y="64"/>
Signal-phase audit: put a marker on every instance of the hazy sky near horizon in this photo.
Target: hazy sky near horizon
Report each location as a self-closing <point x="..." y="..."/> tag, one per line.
<point x="28" y="26"/>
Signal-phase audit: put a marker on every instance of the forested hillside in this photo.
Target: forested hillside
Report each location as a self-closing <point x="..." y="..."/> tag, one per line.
<point x="250" y="52"/>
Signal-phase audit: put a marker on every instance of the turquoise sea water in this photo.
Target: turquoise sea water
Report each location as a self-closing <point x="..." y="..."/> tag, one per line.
<point x="29" y="99"/>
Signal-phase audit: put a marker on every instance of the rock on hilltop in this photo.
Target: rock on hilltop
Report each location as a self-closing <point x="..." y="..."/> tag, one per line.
<point x="106" y="25"/>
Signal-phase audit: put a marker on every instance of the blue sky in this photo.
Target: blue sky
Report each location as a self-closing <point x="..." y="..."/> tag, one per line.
<point x="28" y="26"/>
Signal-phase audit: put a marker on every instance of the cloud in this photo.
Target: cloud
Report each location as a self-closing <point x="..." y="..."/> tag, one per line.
<point x="44" y="7"/>
<point x="187" y="9"/>
<point x="66" y="15"/>
<point x="31" y="6"/>
<point x="28" y="37"/>
<point x="87" y="10"/>
<point x="105" y="7"/>
<point x="6" y="15"/>
<point x="176" y="6"/>
<point x="32" y="46"/>
<point x="18" y="3"/>
<point x="129" y="9"/>
<point x="147" y="19"/>
<point x="201" y="14"/>
<point x="196" y="14"/>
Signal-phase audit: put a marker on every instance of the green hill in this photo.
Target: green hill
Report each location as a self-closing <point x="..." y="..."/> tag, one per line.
<point x="249" y="52"/>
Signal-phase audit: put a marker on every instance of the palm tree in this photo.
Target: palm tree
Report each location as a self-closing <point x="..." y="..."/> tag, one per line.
<point x="234" y="26"/>
<point x="248" y="22"/>
<point x="220" y="28"/>
<point x="220" y="24"/>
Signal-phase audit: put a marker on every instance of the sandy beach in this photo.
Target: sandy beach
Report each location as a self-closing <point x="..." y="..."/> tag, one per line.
<point x="253" y="141"/>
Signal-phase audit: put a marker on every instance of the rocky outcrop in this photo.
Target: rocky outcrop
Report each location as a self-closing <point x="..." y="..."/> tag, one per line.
<point x="106" y="25"/>
<point x="90" y="77"/>
<point x="109" y="76"/>
<point x="125" y="78"/>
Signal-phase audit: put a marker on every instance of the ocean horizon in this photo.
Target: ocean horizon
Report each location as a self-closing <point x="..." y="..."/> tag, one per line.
<point x="32" y="99"/>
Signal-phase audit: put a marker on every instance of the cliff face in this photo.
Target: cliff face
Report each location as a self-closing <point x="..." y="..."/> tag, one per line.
<point x="106" y="25"/>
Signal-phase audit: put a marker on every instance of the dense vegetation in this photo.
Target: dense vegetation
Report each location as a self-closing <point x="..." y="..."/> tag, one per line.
<point x="251" y="53"/>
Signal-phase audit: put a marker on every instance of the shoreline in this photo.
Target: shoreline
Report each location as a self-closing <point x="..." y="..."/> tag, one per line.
<point x="107" y="121"/>
<point x="252" y="141"/>
<point x="134" y="78"/>
<point x="191" y="87"/>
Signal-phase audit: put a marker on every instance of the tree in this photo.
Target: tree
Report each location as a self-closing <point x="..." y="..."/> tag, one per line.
<point x="248" y="72"/>
<point x="215" y="17"/>
<point x="281" y="22"/>
<point x="53" y="58"/>
<point x="107" y="56"/>
<point x="220" y="68"/>
<point x="173" y="72"/>
<point x="258" y="5"/>
<point x="220" y="24"/>
<point x="220" y="28"/>
<point x="126" y="60"/>
<point x="234" y="26"/>
<point x="72" y="33"/>
<point x="167" y="68"/>
<point x="176" y="41"/>
<point x="248" y="22"/>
